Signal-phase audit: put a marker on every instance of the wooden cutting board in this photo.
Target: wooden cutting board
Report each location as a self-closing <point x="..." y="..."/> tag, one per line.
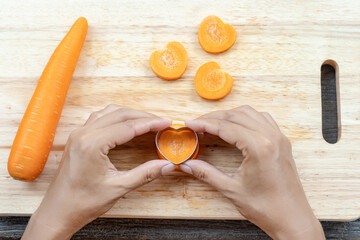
<point x="275" y="64"/>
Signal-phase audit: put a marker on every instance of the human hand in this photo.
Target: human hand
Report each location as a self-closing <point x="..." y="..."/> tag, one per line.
<point x="266" y="188"/>
<point x="87" y="184"/>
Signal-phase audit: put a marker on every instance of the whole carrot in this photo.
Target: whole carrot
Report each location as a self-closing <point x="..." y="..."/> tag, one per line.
<point x="36" y="132"/>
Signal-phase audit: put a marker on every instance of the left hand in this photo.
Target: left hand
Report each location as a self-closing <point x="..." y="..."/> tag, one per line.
<point x="87" y="184"/>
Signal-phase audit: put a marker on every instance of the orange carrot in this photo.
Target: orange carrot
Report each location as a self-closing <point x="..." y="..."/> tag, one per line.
<point x="215" y="36"/>
<point x="211" y="82"/>
<point x="169" y="63"/>
<point x="36" y="132"/>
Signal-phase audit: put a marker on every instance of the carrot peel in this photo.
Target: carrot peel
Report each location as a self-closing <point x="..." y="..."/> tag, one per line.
<point x="36" y="132"/>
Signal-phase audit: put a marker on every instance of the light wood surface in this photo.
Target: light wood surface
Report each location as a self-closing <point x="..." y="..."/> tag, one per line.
<point x="275" y="64"/>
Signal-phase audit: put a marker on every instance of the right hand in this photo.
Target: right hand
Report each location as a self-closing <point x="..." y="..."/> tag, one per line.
<point x="266" y="188"/>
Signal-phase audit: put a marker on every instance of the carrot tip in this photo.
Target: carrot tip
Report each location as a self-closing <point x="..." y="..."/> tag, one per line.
<point x="82" y="19"/>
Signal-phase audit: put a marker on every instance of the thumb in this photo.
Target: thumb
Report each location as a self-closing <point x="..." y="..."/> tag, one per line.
<point x="145" y="173"/>
<point x="207" y="173"/>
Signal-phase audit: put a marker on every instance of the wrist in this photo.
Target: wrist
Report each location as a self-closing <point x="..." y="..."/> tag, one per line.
<point x="298" y="222"/>
<point x="54" y="218"/>
<point x="44" y="226"/>
<point x="287" y="222"/>
<point x="311" y="230"/>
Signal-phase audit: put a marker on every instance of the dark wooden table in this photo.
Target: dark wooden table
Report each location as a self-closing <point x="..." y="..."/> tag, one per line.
<point x="119" y="228"/>
<point x="125" y="228"/>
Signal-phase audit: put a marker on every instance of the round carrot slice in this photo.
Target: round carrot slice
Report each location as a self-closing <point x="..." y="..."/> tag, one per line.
<point x="215" y="36"/>
<point x="169" y="63"/>
<point x="177" y="144"/>
<point x="211" y="82"/>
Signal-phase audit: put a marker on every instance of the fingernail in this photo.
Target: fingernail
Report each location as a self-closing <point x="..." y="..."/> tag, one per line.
<point x="165" y="170"/>
<point x="186" y="169"/>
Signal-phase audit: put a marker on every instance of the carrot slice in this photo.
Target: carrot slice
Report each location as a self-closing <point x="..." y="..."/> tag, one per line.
<point x="215" y="36"/>
<point x="169" y="63"/>
<point x="36" y="132"/>
<point x="211" y="82"/>
<point x="177" y="144"/>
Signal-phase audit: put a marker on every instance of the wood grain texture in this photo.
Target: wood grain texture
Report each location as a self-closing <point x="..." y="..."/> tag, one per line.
<point x="275" y="64"/>
<point x="175" y="229"/>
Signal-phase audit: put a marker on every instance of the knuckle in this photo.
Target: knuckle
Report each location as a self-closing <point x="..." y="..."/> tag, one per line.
<point x="202" y="174"/>
<point x="284" y="141"/>
<point x="127" y="182"/>
<point x="83" y="145"/>
<point x="115" y="107"/>
<point x="121" y="107"/>
<point x="149" y="176"/>
<point x="94" y="115"/>
<point x="228" y="114"/>
<point x="131" y="126"/>
<point x="267" y="148"/>
<point x="244" y="108"/>
<point x="233" y="115"/>
<point x="80" y="141"/>
<point x="281" y="139"/>
<point x="221" y="126"/>
<point x="130" y="123"/>
<point x="74" y="134"/>
<point x="266" y="114"/>
<point x="112" y="105"/>
<point x="222" y="112"/>
<point x="122" y="113"/>
<point x="231" y="189"/>
<point x="271" y="147"/>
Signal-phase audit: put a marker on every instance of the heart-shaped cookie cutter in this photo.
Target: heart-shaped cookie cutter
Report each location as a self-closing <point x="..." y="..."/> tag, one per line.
<point x="194" y="152"/>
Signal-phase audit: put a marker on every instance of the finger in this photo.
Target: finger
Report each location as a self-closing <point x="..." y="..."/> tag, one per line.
<point x="249" y="110"/>
<point x="95" y="115"/>
<point x="211" y="114"/>
<point x="117" y="116"/>
<point x="120" y="133"/>
<point x="270" y="119"/>
<point x="208" y="174"/>
<point x="243" y="115"/>
<point x="237" y="117"/>
<point x="145" y="173"/>
<point x="232" y="133"/>
<point x="253" y="114"/>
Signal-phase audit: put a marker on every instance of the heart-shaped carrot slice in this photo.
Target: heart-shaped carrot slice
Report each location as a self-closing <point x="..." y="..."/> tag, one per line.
<point x="211" y="82"/>
<point x="169" y="63"/>
<point x="177" y="144"/>
<point x="215" y="36"/>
